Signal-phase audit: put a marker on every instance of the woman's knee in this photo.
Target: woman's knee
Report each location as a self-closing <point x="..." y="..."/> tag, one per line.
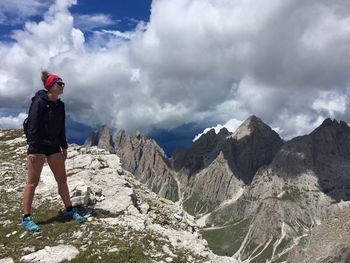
<point x="61" y="180"/>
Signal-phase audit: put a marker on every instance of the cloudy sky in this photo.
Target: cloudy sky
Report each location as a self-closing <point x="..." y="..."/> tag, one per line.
<point x="161" y="64"/>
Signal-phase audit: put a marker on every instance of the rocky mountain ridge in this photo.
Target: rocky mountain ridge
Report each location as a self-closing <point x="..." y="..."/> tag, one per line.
<point x="261" y="198"/>
<point x="287" y="201"/>
<point x="147" y="161"/>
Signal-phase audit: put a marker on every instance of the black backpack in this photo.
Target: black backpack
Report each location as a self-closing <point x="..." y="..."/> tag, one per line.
<point x="25" y="126"/>
<point x="26" y="122"/>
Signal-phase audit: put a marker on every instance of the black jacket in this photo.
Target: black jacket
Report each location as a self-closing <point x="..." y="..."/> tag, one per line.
<point x="46" y="122"/>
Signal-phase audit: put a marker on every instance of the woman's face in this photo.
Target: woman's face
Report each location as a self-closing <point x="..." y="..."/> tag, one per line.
<point x="57" y="88"/>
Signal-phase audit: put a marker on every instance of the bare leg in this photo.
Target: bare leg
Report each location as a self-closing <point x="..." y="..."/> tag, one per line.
<point x="35" y="165"/>
<point x="57" y="166"/>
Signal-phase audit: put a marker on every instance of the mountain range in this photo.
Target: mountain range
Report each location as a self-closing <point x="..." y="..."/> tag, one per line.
<point x="256" y="197"/>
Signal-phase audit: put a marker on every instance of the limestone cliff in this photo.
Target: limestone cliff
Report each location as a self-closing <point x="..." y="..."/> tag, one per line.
<point x="148" y="162"/>
<point x="102" y="139"/>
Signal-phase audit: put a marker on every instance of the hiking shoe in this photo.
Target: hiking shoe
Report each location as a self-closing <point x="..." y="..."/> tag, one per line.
<point x="74" y="214"/>
<point x="29" y="224"/>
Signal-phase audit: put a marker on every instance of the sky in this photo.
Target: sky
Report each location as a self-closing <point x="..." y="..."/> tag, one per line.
<point x="160" y="65"/>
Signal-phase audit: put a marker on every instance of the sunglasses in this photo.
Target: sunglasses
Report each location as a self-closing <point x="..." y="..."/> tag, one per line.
<point x="60" y="84"/>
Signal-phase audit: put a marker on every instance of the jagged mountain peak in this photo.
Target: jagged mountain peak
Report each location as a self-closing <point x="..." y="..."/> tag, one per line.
<point x="253" y="118"/>
<point x="224" y="132"/>
<point x="250" y="125"/>
<point x="137" y="138"/>
<point x="332" y="124"/>
<point x="206" y="136"/>
<point x="101" y="138"/>
<point x="208" y="140"/>
<point x="121" y="132"/>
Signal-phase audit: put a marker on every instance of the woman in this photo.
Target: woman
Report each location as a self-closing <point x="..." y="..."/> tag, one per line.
<point x="46" y="138"/>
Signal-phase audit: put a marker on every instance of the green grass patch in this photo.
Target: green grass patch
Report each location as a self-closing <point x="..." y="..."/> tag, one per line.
<point x="266" y="254"/>
<point x="194" y="205"/>
<point x="227" y="240"/>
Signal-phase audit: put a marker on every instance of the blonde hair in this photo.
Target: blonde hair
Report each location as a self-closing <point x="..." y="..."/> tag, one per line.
<point x="44" y="75"/>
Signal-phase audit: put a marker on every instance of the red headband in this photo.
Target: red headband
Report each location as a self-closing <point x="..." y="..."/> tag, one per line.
<point x="51" y="80"/>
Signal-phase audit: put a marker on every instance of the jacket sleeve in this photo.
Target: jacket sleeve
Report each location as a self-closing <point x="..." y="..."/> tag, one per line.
<point x="34" y="117"/>
<point x="63" y="140"/>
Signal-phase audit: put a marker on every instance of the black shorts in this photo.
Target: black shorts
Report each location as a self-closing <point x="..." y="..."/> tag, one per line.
<point x="43" y="149"/>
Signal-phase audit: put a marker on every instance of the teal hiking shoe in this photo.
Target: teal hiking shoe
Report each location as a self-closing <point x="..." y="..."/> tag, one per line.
<point x="74" y="214"/>
<point x="29" y="224"/>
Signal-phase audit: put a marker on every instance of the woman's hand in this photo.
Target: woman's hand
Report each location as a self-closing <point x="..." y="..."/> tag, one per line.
<point x="64" y="154"/>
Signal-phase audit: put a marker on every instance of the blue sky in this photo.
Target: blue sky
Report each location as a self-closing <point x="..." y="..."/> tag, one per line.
<point x="122" y="15"/>
<point x="162" y="65"/>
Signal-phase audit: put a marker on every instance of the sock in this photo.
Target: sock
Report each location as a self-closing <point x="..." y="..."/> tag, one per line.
<point x="69" y="208"/>
<point x="26" y="215"/>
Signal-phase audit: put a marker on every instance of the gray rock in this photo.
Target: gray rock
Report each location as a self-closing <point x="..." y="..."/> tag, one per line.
<point x="81" y="195"/>
<point x="147" y="161"/>
<point x="52" y="254"/>
<point x="92" y="140"/>
<point x="144" y="207"/>
<point x="105" y="140"/>
<point x="102" y="139"/>
<point x="328" y="242"/>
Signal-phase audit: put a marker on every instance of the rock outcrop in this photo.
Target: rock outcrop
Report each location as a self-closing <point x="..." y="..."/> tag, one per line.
<point x="102" y="139"/>
<point x="210" y="187"/>
<point x="52" y="254"/>
<point x="147" y="161"/>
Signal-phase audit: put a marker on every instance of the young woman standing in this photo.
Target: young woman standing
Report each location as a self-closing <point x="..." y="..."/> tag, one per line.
<point x="46" y="139"/>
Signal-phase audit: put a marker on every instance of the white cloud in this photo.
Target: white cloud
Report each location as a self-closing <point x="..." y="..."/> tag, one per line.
<point x="195" y="61"/>
<point x="305" y="124"/>
<point x="16" y="11"/>
<point x="331" y="102"/>
<point x="12" y="121"/>
<point x="90" y="22"/>
<point x="297" y="124"/>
